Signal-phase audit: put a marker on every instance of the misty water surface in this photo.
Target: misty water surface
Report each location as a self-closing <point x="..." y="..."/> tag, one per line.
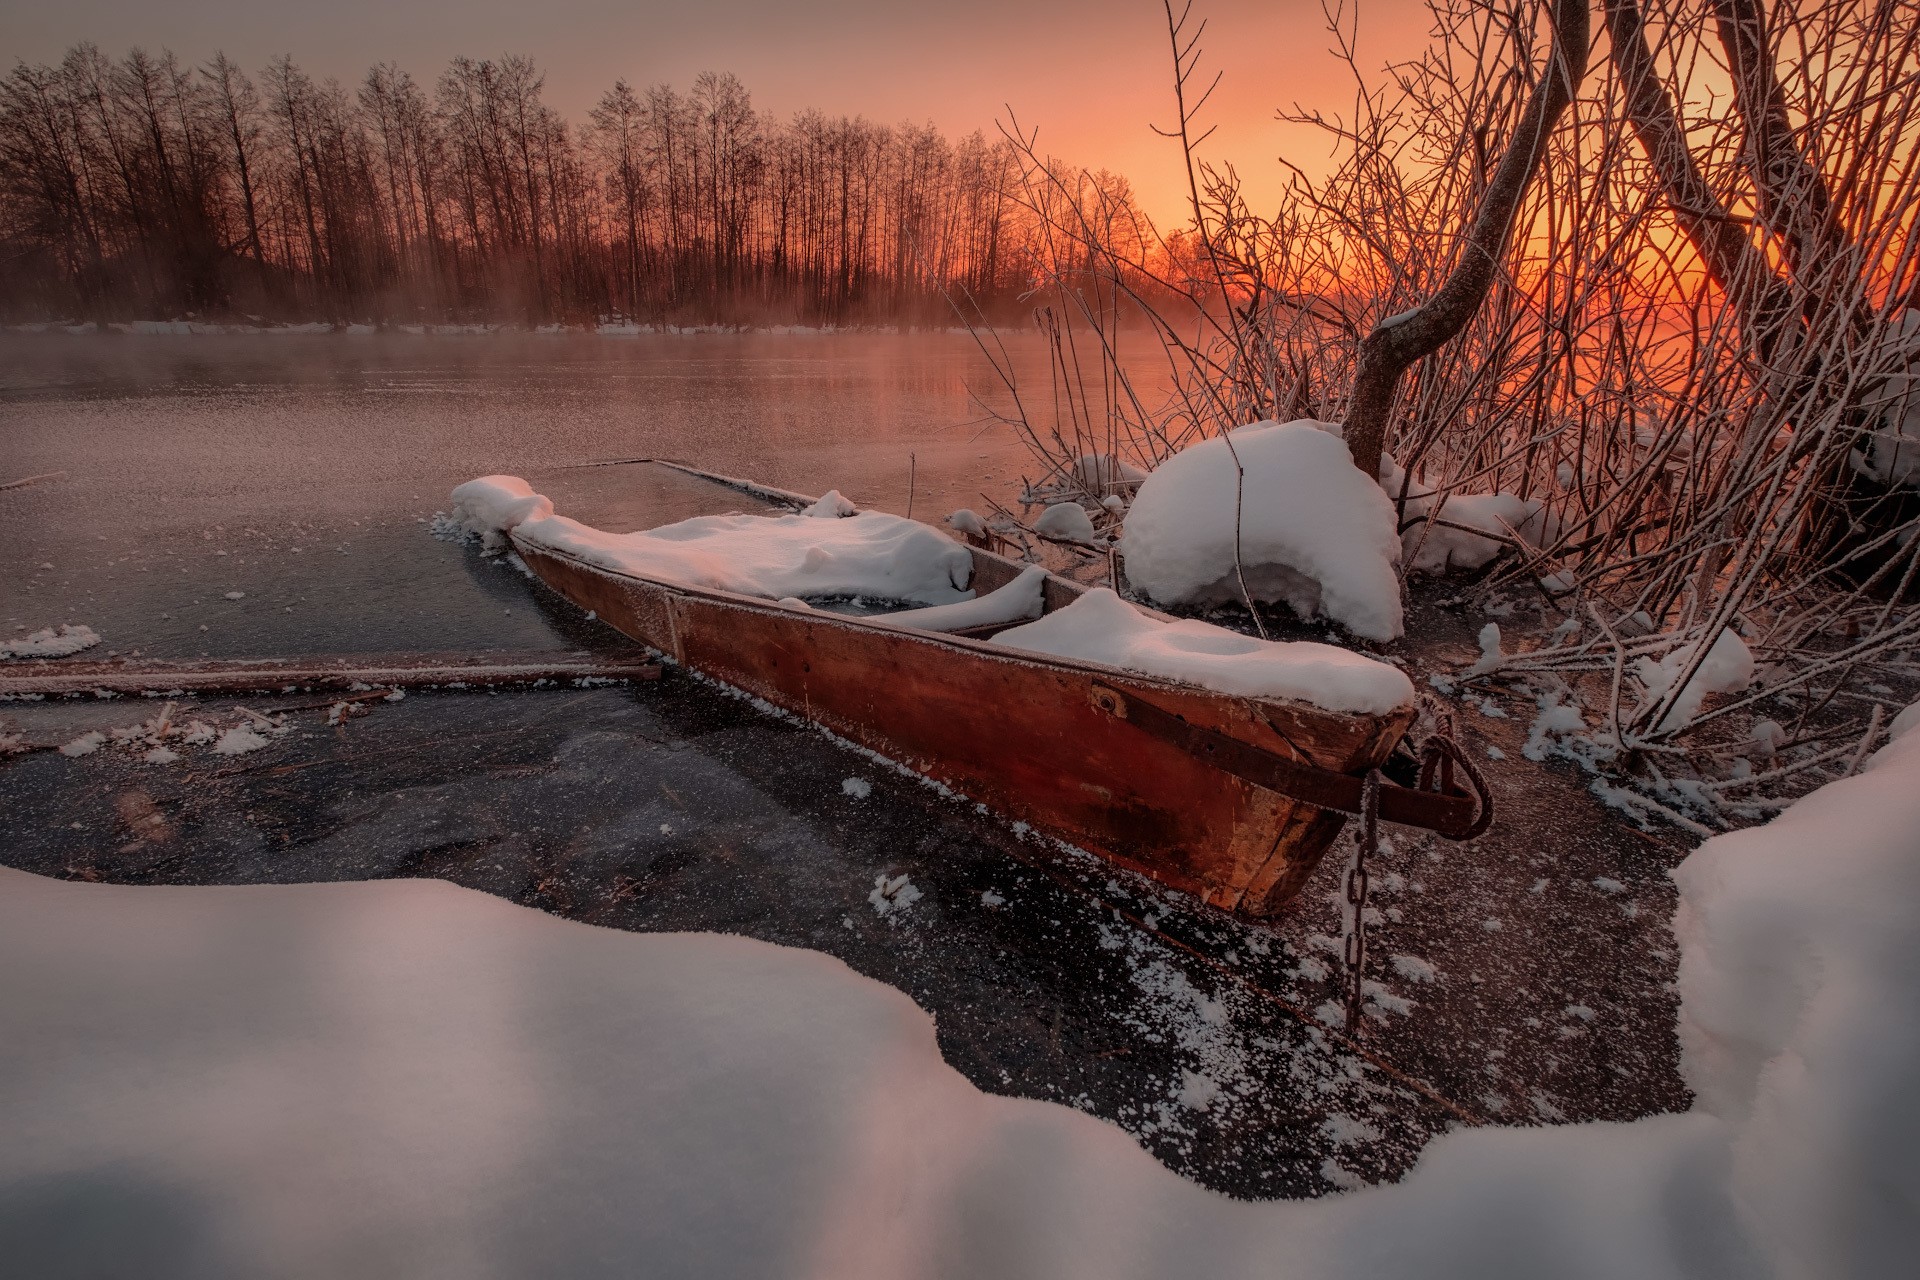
<point x="300" y="470"/>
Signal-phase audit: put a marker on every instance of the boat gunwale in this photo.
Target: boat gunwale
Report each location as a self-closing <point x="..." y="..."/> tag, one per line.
<point x="965" y="644"/>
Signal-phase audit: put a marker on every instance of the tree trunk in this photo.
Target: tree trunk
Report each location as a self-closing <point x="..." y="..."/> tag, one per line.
<point x="1397" y="343"/>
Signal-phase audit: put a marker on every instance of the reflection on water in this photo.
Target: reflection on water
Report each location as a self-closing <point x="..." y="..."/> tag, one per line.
<point x="267" y="494"/>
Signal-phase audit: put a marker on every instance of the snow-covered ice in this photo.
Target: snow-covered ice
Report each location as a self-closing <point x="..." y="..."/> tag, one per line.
<point x="50" y="642"/>
<point x="1314" y="532"/>
<point x="1101" y="627"/>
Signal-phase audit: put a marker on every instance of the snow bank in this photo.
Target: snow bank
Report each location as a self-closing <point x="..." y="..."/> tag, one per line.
<point x="1314" y="531"/>
<point x="1017" y="601"/>
<point x="866" y="553"/>
<point x="1800" y="1018"/>
<point x="50" y="642"/>
<point x="1101" y="627"/>
<point x="409" y="1078"/>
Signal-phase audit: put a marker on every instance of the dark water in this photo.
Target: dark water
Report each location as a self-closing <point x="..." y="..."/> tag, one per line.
<point x="313" y="464"/>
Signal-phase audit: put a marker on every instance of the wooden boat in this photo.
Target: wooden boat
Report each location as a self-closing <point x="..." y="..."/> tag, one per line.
<point x="1231" y="799"/>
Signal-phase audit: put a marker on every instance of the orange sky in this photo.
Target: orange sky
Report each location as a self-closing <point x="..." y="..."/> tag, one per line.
<point x="1090" y="75"/>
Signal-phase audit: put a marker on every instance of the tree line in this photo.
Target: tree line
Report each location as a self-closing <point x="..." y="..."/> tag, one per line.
<point x="146" y="188"/>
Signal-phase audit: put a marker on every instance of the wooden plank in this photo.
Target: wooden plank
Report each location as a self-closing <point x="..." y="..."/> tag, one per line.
<point x="277" y="675"/>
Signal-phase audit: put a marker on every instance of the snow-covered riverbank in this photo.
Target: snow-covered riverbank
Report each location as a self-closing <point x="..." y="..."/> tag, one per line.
<point x="411" y="1078"/>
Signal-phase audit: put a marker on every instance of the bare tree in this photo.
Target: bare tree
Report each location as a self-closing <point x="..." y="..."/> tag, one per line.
<point x="1400" y="340"/>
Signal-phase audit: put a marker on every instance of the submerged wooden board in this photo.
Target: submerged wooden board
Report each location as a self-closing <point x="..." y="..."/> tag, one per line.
<point x="60" y="678"/>
<point x="1019" y="732"/>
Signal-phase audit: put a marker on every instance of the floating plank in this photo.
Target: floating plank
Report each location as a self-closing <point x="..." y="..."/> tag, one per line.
<point x="280" y="675"/>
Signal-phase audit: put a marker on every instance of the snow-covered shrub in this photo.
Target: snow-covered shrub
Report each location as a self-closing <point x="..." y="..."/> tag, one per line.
<point x="1313" y="531"/>
<point x="1066" y="521"/>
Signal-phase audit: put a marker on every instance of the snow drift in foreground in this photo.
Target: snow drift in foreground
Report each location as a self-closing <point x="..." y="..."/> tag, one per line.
<point x="50" y="642"/>
<point x="825" y="551"/>
<point x="1314" y="531"/>
<point x="407" y="1078"/>
<point x="1101" y="627"/>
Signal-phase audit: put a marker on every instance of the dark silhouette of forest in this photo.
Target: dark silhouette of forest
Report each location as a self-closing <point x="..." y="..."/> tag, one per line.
<point x="145" y="188"/>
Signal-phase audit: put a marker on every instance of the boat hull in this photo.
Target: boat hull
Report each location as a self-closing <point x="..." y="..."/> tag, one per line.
<point x="1024" y="734"/>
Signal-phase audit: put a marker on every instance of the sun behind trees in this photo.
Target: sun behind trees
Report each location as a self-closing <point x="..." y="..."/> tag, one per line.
<point x="144" y="188"/>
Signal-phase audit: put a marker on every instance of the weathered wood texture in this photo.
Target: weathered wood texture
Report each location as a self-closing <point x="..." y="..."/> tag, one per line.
<point x="390" y="671"/>
<point x="1018" y="732"/>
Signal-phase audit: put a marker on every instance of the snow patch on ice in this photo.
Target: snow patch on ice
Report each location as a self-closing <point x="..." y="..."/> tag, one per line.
<point x="239" y="740"/>
<point x="50" y="642"/>
<point x="892" y="895"/>
<point x="858" y="788"/>
<point x="1413" y="968"/>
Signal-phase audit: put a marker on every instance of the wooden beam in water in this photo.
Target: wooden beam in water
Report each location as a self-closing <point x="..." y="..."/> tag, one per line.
<point x="282" y="675"/>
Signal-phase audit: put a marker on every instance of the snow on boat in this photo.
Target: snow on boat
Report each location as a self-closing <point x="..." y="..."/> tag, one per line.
<point x="1213" y="762"/>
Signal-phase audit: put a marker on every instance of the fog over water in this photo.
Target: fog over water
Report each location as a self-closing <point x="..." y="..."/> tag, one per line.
<point x="300" y="469"/>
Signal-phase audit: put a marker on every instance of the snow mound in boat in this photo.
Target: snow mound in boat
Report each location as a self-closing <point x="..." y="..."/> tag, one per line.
<point x="1314" y="532"/>
<point x="1023" y="598"/>
<point x="870" y="554"/>
<point x="865" y="554"/>
<point x="1101" y="627"/>
<point x="1439" y="530"/>
<point x="493" y="506"/>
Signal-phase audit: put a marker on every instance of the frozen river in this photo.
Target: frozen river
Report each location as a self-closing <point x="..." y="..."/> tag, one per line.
<point x="299" y="469"/>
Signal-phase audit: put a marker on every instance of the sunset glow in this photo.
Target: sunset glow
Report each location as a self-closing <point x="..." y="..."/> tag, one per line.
<point x="1092" y="76"/>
